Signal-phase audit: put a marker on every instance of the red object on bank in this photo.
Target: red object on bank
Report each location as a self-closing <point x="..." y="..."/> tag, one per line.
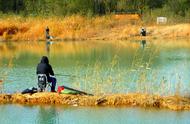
<point x="60" y="88"/>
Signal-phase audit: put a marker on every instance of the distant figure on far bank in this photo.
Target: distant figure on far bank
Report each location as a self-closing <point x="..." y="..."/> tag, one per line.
<point x="143" y="31"/>
<point x="48" y="37"/>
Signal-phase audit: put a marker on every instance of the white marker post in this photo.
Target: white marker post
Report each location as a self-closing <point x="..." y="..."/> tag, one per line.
<point x="161" y="20"/>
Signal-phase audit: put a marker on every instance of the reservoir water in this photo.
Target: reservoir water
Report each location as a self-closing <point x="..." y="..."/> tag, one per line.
<point x="98" y="67"/>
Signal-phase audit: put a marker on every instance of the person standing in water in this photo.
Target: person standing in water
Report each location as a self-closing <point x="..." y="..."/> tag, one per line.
<point x="45" y="68"/>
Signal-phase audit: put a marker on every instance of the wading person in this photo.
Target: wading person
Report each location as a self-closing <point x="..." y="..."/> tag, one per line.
<point x="44" y="68"/>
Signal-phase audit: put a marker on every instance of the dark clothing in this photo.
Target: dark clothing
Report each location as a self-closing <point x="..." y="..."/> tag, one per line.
<point x="45" y="68"/>
<point x="47" y="29"/>
<point x="53" y="82"/>
<point x="30" y="90"/>
<point x="47" y="34"/>
<point x="143" y="32"/>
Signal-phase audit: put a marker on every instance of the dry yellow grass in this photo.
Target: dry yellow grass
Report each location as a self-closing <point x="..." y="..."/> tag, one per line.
<point x="73" y="27"/>
<point x="170" y="31"/>
<point x="82" y="28"/>
<point x="131" y="99"/>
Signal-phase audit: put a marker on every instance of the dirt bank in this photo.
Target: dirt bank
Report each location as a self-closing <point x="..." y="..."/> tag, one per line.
<point x="113" y="27"/>
<point x="132" y="99"/>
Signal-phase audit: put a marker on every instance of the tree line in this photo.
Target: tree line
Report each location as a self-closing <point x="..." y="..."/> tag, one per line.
<point x="90" y="7"/>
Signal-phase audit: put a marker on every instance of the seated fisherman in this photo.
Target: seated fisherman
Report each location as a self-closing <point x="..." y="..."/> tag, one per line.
<point x="45" y="68"/>
<point x="143" y="32"/>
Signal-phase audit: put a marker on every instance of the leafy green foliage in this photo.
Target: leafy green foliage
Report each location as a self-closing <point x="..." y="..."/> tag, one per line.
<point x="84" y="7"/>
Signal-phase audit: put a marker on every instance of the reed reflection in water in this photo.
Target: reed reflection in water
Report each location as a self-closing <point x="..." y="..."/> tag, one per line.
<point x="101" y="66"/>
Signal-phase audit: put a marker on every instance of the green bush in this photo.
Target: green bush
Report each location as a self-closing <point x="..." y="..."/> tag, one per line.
<point x="149" y="8"/>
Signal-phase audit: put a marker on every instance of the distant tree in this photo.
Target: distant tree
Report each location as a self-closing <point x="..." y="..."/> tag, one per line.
<point x="6" y="5"/>
<point x="84" y="7"/>
<point x="100" y="6"/>
<point x="178" y="7"/>
<point x="152" y="4"/>
<point x="110" y="6"/>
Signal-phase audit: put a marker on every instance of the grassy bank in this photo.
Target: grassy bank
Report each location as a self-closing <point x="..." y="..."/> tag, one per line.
<point x="112" y="27"/>
<point x="132" y="99"/>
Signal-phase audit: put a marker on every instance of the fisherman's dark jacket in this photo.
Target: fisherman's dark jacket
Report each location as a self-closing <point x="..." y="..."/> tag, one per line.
<point x="45" y="68"/>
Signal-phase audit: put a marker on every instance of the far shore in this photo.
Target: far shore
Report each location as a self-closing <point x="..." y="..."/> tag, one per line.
<point x="80" y="28"/>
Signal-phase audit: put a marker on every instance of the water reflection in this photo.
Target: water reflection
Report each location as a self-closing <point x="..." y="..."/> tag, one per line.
<point x="47" y="48"/>
<point x="143" y="42"/>
<point x="48" y="43"/>
<point x="84" y="115"/>
<point x="100" y="66"/>
<point x="47" y="115"/>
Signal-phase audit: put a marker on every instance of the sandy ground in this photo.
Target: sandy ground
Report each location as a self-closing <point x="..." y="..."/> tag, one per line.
<point x="131" y="99"/>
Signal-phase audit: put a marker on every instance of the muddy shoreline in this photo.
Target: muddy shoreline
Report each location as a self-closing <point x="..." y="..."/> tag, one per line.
<point x="132" y="99"/>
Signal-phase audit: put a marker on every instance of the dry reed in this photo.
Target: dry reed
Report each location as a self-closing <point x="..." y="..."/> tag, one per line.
<point x="82" y="28"/>
<point x="131" y="99"/>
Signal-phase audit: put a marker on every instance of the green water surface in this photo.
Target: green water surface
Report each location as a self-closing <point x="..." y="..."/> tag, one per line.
<point x="98" y="67"/>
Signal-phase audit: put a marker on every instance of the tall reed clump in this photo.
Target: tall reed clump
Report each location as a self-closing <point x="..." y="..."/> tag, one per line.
<point x="4" y="73"/>
<point x="98" y="78"/>
<point x="151" y="80"/>
<point x="141" y="77"/>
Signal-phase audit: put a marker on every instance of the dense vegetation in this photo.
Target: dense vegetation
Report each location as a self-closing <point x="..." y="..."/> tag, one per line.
<point x="92" y="7"/>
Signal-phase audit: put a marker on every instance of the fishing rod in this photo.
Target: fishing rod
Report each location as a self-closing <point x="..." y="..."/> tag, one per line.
<point x="81" y="92"/>
<point x="66" y="75"/>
